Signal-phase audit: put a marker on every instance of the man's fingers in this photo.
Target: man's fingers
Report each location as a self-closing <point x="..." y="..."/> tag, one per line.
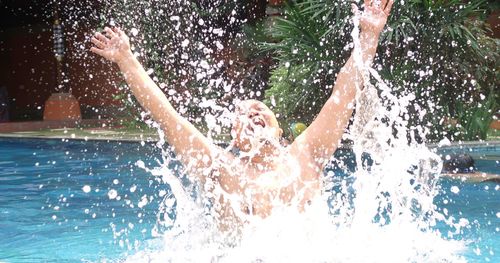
<point x="383" y="3"/>
<point x="98" y="43"/>
<point x="109" y="32"/>
<point x="117" y="30"/>
<point x="99" y="52"/>
<point x="101" y="38"/>
<point x="388" y="8"/>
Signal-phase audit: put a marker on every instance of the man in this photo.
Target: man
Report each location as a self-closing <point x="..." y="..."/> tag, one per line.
<point x="462" y="167"/>
<point x="262" y="175"/>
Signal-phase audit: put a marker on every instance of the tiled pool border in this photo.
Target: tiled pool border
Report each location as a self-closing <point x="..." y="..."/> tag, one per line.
<point x="146" y="138"/>
<point x="83" y="138"/>
<point x="471" y="146"/>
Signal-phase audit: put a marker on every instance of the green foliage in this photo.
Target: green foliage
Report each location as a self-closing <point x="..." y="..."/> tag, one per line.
<point x="437" y="50"/>
<point x="288" y="93"/>
<point x="180" y="44"/>
<point x="307" y="62"/>
<point x="474" y="121"/>
<point x="130" y="110"/>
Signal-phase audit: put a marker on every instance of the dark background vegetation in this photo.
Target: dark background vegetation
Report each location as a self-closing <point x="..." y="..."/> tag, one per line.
<point x="443" y="52"/>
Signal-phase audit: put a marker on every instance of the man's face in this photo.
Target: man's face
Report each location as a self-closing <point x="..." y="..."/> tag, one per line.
<point x="254" y="121"/>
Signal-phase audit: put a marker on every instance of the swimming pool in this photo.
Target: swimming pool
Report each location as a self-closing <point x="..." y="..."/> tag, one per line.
<point x="74" y="201"/>
<point x="55" y="200"/>
<point x="477" y="202"/>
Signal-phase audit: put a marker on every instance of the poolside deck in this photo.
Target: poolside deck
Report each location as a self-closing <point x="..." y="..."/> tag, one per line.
<point x="9" y="127"/>
<point x="82" y="130"/>
<point x="106" y="130"/>
<point x="84" y="134"/>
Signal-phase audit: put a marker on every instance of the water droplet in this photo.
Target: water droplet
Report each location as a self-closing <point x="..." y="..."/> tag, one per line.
<point x="86" y="189"/>
<point x="134" y="31"/>
<point x="143" y="202"/>
<point x="112" y="194"/>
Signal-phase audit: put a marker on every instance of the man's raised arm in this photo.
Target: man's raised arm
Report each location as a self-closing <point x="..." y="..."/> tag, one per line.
<point x="322" y="137"/>
<point x="193" y="148"/>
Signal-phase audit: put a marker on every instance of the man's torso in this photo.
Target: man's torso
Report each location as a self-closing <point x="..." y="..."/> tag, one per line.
<point x="294" y="182"/>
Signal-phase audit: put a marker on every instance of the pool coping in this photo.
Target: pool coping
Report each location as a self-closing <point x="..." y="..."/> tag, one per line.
<point x="149" y="138"/>
<point x="492" y="143"/>
<point x="122" y="137"/>
<point x="127" y="138"/>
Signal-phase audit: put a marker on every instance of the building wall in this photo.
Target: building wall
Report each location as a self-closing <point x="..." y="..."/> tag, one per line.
<point x="28" y="71"/>
<point x="494" y="22"/>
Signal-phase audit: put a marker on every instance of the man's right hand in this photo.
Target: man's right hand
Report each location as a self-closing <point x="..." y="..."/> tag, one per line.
<point x="113" y="46"/>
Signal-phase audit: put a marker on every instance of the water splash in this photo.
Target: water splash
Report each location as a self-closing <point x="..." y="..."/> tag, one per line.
<point x="386" y="214"/>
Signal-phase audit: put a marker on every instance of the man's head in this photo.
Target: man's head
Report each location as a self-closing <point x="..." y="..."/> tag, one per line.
<point x="459" y="163"/>
<point x="254" y="121"/>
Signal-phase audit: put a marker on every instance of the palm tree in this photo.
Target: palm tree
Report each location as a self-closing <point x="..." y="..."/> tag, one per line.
<point x="437" y="50"/>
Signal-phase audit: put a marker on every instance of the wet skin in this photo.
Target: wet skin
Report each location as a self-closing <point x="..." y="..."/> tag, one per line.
<point x="265" y="175"/>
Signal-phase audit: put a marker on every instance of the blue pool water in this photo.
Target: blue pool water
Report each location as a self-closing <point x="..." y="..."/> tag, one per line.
<point x="45" y="215"/>
<point x="55" y="201"/>
<point x="477" y="202"/>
